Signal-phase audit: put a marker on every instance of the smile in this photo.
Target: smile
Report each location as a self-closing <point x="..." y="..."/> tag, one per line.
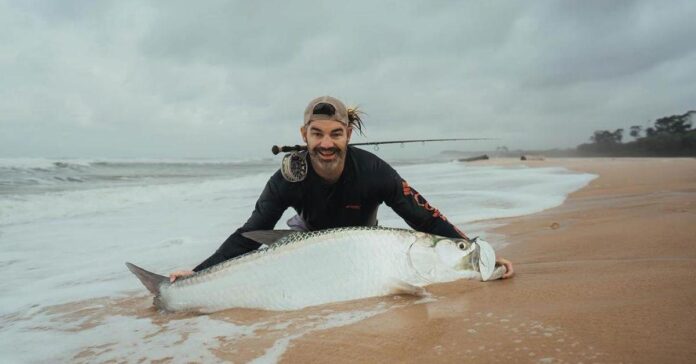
<point x="327" y="154"/>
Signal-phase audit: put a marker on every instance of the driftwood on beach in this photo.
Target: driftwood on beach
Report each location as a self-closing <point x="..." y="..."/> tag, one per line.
<point x="529" y="157"/>
<point x="477" y="158"/>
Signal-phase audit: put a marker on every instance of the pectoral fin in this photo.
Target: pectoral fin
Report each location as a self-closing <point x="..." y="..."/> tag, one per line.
<point x="400" y="287"/>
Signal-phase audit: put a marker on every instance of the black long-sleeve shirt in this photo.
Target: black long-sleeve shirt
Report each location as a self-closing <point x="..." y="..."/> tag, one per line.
<point x="366" y="182"/>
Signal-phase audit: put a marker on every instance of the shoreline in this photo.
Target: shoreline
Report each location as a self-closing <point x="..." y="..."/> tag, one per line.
<point x="608" y="276"/>
<point x="604" y="277"/>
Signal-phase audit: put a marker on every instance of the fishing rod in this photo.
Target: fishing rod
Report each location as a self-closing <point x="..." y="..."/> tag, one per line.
<point x="296" y="148"/>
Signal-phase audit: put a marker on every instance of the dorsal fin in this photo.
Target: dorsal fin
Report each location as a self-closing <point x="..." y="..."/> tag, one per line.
<point x="267" y="236"/>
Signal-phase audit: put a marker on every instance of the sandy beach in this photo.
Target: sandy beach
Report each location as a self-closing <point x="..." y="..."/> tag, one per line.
<point x="606" y="277"/>
<point x="609" y="276"/>
<point x="141" y="140"/>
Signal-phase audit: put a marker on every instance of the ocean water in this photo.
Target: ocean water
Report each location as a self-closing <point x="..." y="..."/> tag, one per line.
<point x="67" y="227"/>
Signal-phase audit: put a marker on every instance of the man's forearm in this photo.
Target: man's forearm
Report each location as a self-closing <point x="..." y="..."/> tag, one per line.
<point x="234" y="246"/>
<point x="443" y="227"/>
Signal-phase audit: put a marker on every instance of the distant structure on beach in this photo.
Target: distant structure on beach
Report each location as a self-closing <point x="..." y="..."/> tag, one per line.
<point x="531" y="157"/>
<point x="476" y="158"/>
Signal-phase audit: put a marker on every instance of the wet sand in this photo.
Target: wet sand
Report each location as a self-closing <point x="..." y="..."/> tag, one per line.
<point x="609" y="276"/>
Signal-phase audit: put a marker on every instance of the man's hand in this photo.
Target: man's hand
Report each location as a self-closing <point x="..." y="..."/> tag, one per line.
<point x="509" y="272"/>
<point x="178" y="274"/>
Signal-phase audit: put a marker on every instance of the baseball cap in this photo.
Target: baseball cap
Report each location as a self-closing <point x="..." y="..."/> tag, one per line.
<point x="337" y="112"/>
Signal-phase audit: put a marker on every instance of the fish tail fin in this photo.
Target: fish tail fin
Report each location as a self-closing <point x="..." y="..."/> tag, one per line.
<point x="151" y="280"/>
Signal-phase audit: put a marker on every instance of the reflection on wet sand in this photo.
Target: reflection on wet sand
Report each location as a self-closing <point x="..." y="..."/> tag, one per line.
<point x="452" y="327"/>
<point x="238" y="334"/>
<point x="395" y="328"/>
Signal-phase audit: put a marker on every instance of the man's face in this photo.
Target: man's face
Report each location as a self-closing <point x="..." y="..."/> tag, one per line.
<point x="327" y="141"/>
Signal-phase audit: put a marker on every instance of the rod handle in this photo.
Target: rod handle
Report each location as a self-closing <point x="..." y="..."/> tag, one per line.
<point x="286" y="148"/>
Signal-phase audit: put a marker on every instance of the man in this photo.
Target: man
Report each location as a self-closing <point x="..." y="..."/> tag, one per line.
<point x="342" y="186"/>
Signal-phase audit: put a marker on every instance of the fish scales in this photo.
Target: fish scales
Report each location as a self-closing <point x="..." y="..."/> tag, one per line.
<point x="311" y="268"/>
<point x="304" y="269"/>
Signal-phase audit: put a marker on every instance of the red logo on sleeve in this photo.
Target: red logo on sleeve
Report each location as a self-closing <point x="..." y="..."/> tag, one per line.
<point x="422" y="202"/>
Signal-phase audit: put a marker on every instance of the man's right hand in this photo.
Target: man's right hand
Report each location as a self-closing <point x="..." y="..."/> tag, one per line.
<point x="178" y="274"/>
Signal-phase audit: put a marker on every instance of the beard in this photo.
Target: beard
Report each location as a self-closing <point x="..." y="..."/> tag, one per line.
<point x="327" y="166"/>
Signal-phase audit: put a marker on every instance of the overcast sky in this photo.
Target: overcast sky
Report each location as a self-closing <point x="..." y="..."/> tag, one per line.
<point x="227" y="79"/>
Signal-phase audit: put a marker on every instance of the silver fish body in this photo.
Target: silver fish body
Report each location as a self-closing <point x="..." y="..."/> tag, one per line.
<point x="311" y="268"/>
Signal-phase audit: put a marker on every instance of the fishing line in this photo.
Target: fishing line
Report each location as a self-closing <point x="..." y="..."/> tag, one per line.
<point x="295" y="148"/>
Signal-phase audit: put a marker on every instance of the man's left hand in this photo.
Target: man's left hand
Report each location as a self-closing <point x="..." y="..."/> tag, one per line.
<point x="509" y="272"/>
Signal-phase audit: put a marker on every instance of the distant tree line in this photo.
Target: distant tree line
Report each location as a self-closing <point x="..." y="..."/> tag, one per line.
<point x="670" y="136"/>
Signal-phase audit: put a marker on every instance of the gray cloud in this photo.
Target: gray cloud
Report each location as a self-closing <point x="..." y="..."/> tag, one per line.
<point x="228" y="79"/>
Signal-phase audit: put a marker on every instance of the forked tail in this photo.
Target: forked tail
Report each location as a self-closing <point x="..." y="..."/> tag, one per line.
<point x="151" y="280"/>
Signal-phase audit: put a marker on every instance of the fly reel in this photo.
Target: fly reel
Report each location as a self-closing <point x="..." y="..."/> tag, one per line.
<point x="294" y="166"/>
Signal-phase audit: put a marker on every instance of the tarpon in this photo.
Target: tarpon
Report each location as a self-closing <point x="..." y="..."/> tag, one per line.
<point x="301" y="269"/>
